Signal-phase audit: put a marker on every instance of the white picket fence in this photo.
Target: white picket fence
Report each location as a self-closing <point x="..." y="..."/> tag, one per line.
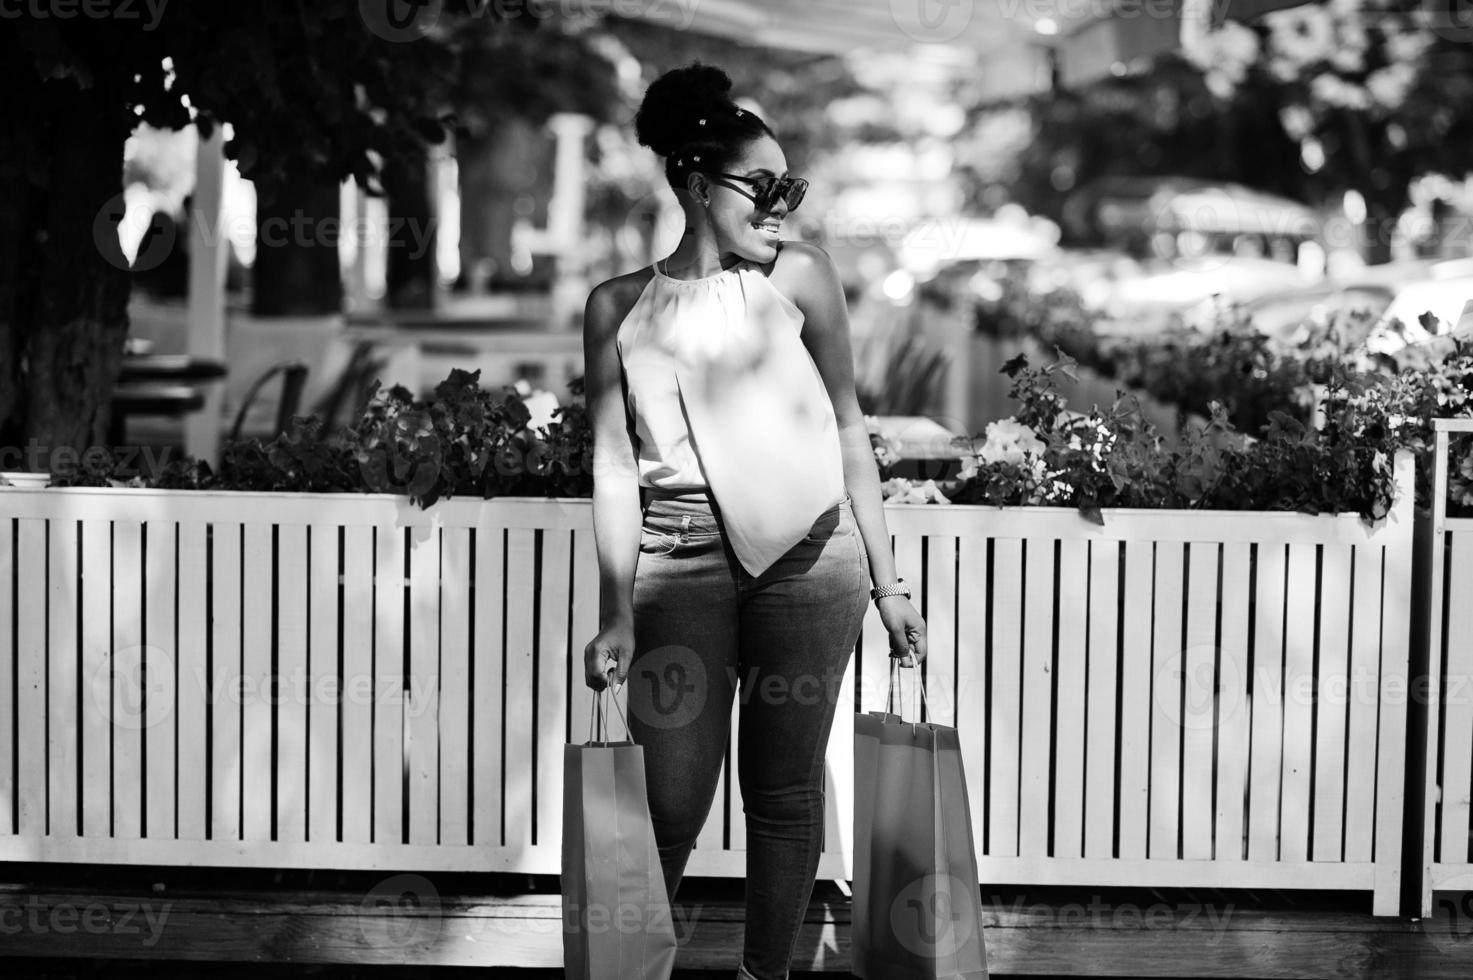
<point x="1448" y="735"/>
<point x="1152" y="701"/>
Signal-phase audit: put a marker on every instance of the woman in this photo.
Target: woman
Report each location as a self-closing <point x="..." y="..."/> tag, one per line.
<point x="736" y="504"/>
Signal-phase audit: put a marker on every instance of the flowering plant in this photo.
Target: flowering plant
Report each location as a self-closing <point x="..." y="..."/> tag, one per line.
<point x="1114" y="457"/>
<point x="886" y="450"/>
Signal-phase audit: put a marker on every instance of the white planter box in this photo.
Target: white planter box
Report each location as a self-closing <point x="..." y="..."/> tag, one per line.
<point x="1101" y="759"/>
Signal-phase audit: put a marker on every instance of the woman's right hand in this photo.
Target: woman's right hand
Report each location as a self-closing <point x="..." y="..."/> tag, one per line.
<point x="609" y="653"/>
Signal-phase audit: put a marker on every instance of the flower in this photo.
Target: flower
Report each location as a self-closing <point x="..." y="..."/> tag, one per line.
<point x="541" y="404"/>
<point x="1009" y="441"/>
<point x="902" y="491"/>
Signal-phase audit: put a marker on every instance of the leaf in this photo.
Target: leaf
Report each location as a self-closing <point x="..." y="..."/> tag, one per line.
<point x="1013" y="366"/>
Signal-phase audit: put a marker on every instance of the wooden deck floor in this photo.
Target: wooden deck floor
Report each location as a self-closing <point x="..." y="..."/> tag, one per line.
<point x="482" y="921"/>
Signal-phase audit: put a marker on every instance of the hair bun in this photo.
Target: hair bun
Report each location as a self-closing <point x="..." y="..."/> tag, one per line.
<point x="669" y="116"/>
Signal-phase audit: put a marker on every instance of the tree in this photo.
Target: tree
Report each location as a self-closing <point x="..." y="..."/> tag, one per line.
<point x="507" y="85"/>
<point x="310" y="88"/>
<point x="1309" y="102"/>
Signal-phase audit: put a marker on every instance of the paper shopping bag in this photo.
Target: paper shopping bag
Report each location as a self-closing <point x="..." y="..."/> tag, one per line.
<point x="615" y="913"/>
<point x="917" y="911"/>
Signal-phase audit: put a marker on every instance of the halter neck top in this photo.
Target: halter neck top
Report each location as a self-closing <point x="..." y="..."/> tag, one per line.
<point x="725" y="397"/>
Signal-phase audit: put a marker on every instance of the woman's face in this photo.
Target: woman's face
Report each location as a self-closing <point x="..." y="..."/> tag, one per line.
<point x="739" y="225"/>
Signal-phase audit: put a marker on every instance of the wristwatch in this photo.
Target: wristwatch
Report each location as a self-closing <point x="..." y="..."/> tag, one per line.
<point x="899" y="588"/>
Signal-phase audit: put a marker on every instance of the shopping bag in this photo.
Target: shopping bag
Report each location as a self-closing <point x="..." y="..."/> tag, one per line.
<point x="615" y="913"/>
<point x="917" y="912"/>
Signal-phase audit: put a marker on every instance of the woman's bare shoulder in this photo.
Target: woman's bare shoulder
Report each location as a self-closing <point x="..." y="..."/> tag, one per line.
<point x="611" y="300"/>
<point x="803" y="271"/>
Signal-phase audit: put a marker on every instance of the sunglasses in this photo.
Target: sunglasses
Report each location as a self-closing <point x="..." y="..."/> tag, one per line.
<point x="769" y="189"/>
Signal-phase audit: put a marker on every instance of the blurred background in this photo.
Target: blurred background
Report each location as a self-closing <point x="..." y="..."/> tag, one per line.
<point x="317" y="196"/>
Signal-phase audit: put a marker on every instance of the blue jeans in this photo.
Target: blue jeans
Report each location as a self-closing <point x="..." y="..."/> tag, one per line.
<point x="706" y="629"/>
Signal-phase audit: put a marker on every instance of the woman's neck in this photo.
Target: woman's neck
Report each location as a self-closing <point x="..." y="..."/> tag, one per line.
<point x="696" y="257"/>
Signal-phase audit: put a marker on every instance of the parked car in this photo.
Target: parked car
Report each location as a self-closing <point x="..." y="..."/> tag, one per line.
<point x="1178" y="291"/>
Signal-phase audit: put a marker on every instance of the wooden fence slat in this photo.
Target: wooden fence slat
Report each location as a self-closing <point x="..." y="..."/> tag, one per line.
<point x="972" y="687"/>
<point x="1365" y="646"/>
<point x="422" y="696"/>
<point x="1396" y="671"/>
<point x="520" y="641"/>
<point x="293" y="592"/>
<point x="1298" y="712"/>
<point x="1102" y="680"/>
<point x="359" y="682"/>
<point x="225" y="764"/>
<point x="940" y="666"/>
<point x="1166" y="695"/>
<point x="1135" y="705"/>
<point x="1199" y="665"/>
<point x="489" y="664"/>
<point x="1233" y="713"/>
<point x="160" y="661"/>
<point x="129" y="593"/>
<point x="1327" y="837"/>
<point x="257" y="766"/>
<point x="1457" y="739"/>
<point x="47" y="739"/>
<point x="96" y="701"/>
<point x="1268" y="704"/>
<point x="1007" y="690"/>
<point x="10" y="671"/>
<point x="192" y="690"/>
<point x="555" y="672"/>
<point x="455" y="686"/>
<point x="1038" y="641"/>
<point x="1072" y="676"/>
<point x="325" y="690"/>
<point x="388" y="685"/>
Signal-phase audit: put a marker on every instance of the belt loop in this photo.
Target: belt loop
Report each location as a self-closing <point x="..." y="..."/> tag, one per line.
<point x="685" y="528"/>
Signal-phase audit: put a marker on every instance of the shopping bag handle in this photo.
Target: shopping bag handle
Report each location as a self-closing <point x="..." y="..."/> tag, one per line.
<point x="920" y="687"/>
<point x="598" y="729"/>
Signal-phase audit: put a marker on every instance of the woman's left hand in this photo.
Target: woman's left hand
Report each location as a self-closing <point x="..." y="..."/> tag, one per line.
<point x="906" y="628"/>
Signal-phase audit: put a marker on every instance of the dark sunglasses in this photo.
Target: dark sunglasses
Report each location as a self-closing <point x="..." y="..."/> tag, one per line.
<point x="769" y="189"/>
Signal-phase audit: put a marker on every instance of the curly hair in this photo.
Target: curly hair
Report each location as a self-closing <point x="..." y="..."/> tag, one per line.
<point x="689" y="118"/>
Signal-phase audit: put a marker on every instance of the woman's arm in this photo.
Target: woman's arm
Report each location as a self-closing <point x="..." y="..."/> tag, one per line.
<point x="616" y="506"/>
<point x="818" y="292"/>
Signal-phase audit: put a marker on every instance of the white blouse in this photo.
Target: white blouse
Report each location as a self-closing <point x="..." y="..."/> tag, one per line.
<point x="724" y="395"/>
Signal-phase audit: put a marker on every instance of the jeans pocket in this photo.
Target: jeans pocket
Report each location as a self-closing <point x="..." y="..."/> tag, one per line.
<point x="832" y="523"/>
<point x="656" y="543"/>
